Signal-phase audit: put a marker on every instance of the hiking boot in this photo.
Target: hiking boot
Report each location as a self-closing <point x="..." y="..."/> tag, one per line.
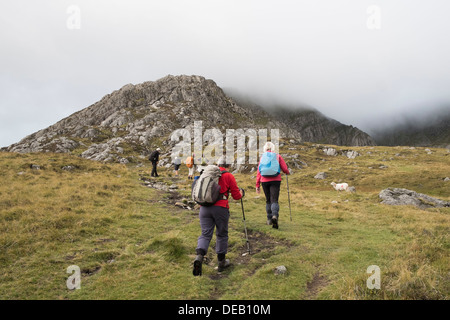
<point x="269" y="222"/>
<point x="197" y="270"/>
<point x="274" y="222"/>
<point x="225" y="263"/>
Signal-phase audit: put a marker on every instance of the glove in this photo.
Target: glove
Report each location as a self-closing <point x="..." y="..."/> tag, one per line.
<point x="243" y="192"/>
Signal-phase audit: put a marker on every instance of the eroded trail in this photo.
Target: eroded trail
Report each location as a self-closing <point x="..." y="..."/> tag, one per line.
<point x="262" y="245"/>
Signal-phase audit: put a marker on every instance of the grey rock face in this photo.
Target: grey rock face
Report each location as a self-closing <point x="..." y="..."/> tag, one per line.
<point x="400" y="196"/>
<point x="315" y="127"/>
<point x="44" y="143"/>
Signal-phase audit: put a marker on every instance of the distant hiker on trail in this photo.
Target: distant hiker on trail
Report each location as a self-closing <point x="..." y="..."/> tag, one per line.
<point x="176" y="164"/>
<point x="270" y="177"/>
<point x="191" y="166"/>
<point x="214" y="213"/>
<point x="154" y="158"/>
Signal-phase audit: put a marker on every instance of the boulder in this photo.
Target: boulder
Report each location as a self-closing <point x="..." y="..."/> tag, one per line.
<point x="320" y="175"/>
<point x="352" y="154"/>
<point x="400" y="196"/>
<point x="280" y="270"/>
<point x="330" y="151"/>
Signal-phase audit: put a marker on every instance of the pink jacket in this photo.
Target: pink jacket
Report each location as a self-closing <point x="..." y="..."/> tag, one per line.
<point x="283" y="168"/>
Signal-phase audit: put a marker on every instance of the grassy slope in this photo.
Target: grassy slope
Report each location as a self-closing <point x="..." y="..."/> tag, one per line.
<point x="131" y="244"/>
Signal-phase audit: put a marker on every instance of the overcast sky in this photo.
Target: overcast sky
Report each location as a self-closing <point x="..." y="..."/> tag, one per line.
<point x="357" y="61"/>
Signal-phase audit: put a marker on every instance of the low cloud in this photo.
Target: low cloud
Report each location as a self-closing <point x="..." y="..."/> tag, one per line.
<point x="300" y="53"/>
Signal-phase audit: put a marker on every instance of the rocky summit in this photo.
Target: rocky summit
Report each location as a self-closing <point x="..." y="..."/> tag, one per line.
<point x="131" y="121"/>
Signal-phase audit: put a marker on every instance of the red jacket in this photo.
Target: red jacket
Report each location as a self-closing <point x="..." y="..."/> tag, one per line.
<point x="228" y="184"/>
<point x="283" y="167"/>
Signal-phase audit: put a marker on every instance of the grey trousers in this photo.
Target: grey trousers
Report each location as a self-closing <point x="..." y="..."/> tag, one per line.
<point x="210" y="218"/>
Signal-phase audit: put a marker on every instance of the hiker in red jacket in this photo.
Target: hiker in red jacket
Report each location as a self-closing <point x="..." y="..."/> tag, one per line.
<point x="217" y="216"/>
<point x="271" y="186"/>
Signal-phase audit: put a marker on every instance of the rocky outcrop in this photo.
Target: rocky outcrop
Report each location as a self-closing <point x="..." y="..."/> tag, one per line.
<point x="107" y="151"/>
<point x="330" y="152"/>
<point x="400" y="196"/>
<point x="44" y="143"/>
<point x="351" y="154"/>
<point x="131" y="121"/>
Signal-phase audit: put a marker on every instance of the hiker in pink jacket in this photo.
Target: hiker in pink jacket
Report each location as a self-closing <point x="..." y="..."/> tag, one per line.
<point x="271" y="186"/>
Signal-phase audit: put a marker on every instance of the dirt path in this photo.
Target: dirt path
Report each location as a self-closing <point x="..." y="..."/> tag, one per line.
<point x="260" y="243"/>
<point x="315" y="285"/>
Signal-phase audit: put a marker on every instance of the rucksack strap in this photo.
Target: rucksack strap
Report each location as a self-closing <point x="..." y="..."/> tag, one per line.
<point x="225" y="195"/>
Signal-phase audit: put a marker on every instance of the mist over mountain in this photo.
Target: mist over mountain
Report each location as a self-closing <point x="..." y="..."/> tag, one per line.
<point x="310" y="122"/>
<point x="429" y="128"/>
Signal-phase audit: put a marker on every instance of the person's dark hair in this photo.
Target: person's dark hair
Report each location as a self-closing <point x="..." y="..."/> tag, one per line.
<point x="222" y="162"/>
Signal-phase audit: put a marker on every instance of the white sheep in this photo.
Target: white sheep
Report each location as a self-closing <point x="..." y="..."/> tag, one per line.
<point x="340" y="186"/>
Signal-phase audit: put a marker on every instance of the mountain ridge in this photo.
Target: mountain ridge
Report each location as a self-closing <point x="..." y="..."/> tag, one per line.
<point x="135" y="118"/>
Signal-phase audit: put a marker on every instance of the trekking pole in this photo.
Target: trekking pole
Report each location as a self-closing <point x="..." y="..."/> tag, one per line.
<point x="289" y="196"/>
<point x="245" y="227"/>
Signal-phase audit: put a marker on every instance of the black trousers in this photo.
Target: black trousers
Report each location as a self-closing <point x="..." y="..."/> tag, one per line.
<point x="154" y="173"/>
<point x="272" y="192"/>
